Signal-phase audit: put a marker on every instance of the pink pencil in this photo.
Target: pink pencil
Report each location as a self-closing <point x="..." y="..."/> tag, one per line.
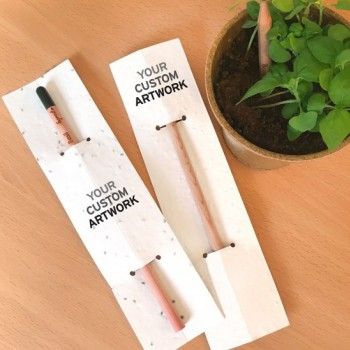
<point x="264" y="26"/>
<point x="212" y="232"/>
<point x="146" y="272"/>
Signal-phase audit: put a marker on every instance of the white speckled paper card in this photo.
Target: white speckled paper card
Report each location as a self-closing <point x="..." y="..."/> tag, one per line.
<point x="111" y="209"/>
<point x="157" y="87"/>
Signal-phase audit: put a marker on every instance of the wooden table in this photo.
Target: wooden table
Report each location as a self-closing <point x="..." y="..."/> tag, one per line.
<point x="51" y="294"/>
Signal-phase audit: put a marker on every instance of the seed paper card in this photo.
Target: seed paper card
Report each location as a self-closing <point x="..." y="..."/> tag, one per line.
<point x="157" y="88"/>
<point x="113" y="213"/>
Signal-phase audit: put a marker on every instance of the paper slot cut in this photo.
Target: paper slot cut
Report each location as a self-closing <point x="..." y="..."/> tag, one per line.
<point x="157" y="88"/>
<point x="127" y="240"/>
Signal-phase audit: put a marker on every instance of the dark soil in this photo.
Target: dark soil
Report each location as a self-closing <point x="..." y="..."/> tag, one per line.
<point x="266" y="128"/>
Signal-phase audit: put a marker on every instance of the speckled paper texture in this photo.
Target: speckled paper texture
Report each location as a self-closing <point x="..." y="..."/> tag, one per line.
<point x="112" y="211"/>
<point x="157" y="87"/>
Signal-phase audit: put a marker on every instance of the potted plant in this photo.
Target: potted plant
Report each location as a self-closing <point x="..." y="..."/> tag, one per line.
<point x="292" y="103"/>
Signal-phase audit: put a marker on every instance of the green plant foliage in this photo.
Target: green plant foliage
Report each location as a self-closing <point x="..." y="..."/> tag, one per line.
<point x="283" y="5"/>
<point x="295" y="11"/>
<point x="292" y="134"/>
<point x="304" y="121"/>
<point x="279" y="70"/>
<point x="324" y="48"/>
<point x="339" y="32"/>
<point x="297" y="44"/>
<point x="267" y="83"/>
<point x="316" y="103"/>
<point x="307" y="67"/>
<point x="308" y="58"/>
<point x="289" y="110"/>
<point x="343" y="5"/>
<point x="311" y="28"/>
<point x="297" y="29"/>
<point x="335" y="127"/>
<point x="279" y="30"/>
<point x="249" y="23"/>
<point x="325" y="78"/>
<point x="278" y="53"/>
<point x="339" y="88"/>
<point x="342" y="59"/>
<point x="304" y="89"/>
<point x="253" y="9"/>
<point x="317" y="126"/>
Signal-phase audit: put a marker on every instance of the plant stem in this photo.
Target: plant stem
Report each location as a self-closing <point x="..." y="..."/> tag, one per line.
<point x="274" y="95"/>
<point x="252" y="38"/>
<point x="320" y="19"/>
<point x="334" y="107"/>
<point x="276" y="104"/>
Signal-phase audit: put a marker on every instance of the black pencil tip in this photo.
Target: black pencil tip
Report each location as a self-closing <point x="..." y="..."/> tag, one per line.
<point x="44" y="96"/>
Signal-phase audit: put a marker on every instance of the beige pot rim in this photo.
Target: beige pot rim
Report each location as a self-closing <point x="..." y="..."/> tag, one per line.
<point x="228" y="129"/>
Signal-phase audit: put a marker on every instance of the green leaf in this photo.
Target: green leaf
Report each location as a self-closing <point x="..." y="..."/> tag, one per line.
<point x="287" y="79"/>
<point x="292" y="134"/>
<point x="324" y="48"/>
<point x="285" y="43"/>
<point x="325" y="29"/>
<point x="249" y="23"/>
<point x="297" y="44"/>
<point x="311" y="28"/>
<point x="304" y="89"/>
<point x="278" y="53"/>
<point x="266" y="93"/>
<point x="308" y="67"/>
<point x="342" y="59"/>
<point x="317" y="126"/>
<point x="325" y="78"/>
<point x="339" y="32"/>
<point x="296" y="28"/>
<point x="253" y="9"/>
<point x="316" y="103"/>
<point x="343" y="5"/>
<point x="339" y="88"/>
<point x="283" y="5"/>
<point x="276" y="15"/>
<point x="279" y="30"/>
<point x="304" y="121"/>
<point x="335" y="127"/>
<point x="289" y="110"/>
<point x="268" y="82"/>
<point x="278" y="69"/>
<point x="292" y="85"/>
<point x="296" y="11"/>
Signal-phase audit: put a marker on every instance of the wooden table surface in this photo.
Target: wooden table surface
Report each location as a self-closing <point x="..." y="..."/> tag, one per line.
<point x="51" y="294"/>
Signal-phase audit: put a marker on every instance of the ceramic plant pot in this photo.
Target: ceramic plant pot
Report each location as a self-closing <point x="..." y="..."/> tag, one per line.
<point x="243" y="149"/>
